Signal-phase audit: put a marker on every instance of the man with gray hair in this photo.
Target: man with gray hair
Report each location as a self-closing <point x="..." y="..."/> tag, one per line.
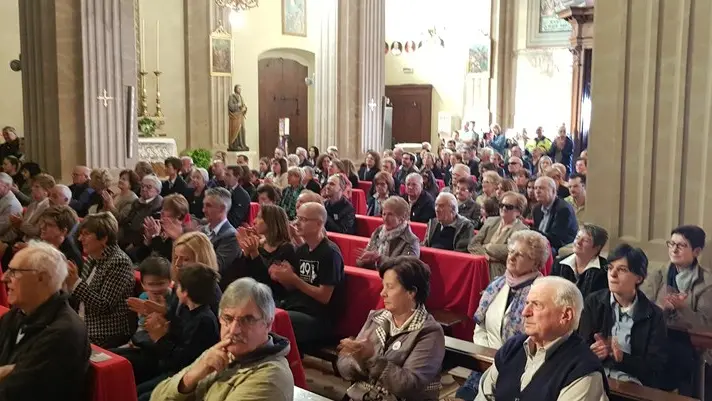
<point x="216" y="204"/>
<point x="132" y="218"/>
<point x="303" y="157"/>
<point x="60" y="195"/>
<point x="549" y="361"/>
<point x="422" y="205"/>
<point x="44" y="346"/>
<point x="553" y="216"/>
<point x="9" y="206"/>
<point x="249" y="362"/>
<point x="81" y="192"/>
<point x="448" y="230"/>
<point x="186" y="169"/>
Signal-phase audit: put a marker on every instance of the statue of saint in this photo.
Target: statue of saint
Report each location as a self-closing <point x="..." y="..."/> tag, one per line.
<point x="237" y="111"/>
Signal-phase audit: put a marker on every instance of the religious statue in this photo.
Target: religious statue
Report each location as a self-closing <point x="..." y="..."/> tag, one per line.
<point x="237" y="111"/>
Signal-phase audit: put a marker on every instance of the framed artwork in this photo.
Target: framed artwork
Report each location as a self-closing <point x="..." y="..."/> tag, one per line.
<point x="544" y="28"/>
<point x="294" y="17"/>
<point x="220" y="53"/>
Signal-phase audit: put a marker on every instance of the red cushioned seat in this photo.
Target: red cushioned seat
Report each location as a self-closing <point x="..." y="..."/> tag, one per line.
<point x="254" y="209"/>
<point x="282" y="325"/>
<point x="362" y="294"/>
<point x="358" y="200"/>
<point x="365" y="186"/>
<point x="350" y="245"/>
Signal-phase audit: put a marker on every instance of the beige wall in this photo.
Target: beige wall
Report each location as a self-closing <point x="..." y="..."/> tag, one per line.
<point x="260" y="36"/>
<point x="10" y="81"/>
<point x="652" y="96"/>
<point x="173" y="101"/>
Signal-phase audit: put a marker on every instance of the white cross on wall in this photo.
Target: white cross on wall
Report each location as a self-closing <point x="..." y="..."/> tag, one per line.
<point x="105" y="99"/>
<point x="372" y="105"/>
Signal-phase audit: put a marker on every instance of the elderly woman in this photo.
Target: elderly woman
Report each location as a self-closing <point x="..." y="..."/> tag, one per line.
<point x="491" y="241"/>
<point x="400" y="349"/>
<point x="370" y="167"/>
<point x="393" y="238"/>
<point x="383" y="183"/>
<point x="341" y="216"/>
<point x="490" y="181"/>
<point x="585" y="267"/>
<point x="323" y="163"/>
<point x="292" y="191"/>
<point x="292" y="161"/>
<point x="147" y="205"/>
<point x="99" y="181"/>
<point x="542" y="165"/>
<point x="499" y="314"/>
<point x="448" y="230"/>
<point x="422" y="207"/>
<point x="466" y="205"/>
<point x="248" y="363"/>
<point x="105" y="282"/>
<point x="278" y="174"/>
<point x="309" y="179"/>
<point x="390" y="167"/>
<point x="128" y="182"/>
<point x="159" y="234"/>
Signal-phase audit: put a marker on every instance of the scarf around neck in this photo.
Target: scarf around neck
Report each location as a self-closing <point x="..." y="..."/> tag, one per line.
<point x="513" y="322"/>
<point x="386" y="236"/>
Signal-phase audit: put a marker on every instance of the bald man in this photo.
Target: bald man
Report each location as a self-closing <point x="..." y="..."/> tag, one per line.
<point x="81" y="193"/>
<point x="315" y="281"/>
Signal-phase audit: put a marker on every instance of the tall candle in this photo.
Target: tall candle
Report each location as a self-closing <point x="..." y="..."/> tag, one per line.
<point x="142" y="40"/>
<point x="158" y="45"/>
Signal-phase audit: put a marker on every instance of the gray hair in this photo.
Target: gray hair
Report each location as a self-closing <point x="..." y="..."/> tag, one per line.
<point x="294" y="170"/>
<point x="203" y="173"/>
<point x="465" y="169"/>
<point x="187" y="158"/>
<point x="153" y="180"/>
<point x="549" y="181"/>
<point x="307" y="170"/>
<point x="537" y="245"/>
<point x="48" y="259"/>
<point x="301" y="151"/>
<point x="293" y="160"/>
<point x="5" y="178"/>
<point x="332" y="148"/>
<point x="566" y="295"/>
<point x="427" y="146"/>
<point x="65" y="191"/>
<point x="414" y="177"/>
<point x="450" y="198"/>
<point x="245" y="289"/>
<point x="221" y="194"/>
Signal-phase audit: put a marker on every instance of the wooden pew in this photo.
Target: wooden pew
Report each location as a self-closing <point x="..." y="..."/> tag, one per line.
<point x="472" y="356"/>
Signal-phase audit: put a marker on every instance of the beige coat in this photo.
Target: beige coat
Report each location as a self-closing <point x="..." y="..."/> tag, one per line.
<point x="497" y="251"/>
<point x="30" y="228"/>
<point x="406" y="244"/>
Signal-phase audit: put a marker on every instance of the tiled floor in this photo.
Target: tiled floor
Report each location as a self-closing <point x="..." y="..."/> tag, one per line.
<point x="321" y="380"/>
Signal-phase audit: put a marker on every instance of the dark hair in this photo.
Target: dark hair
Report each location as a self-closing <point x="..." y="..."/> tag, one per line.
<point x="431" y="178"/>
<point x="247" y="159"/>
<point x="637" y="259"/>
<point x="32" y="168"/>
<point x="235" y="170"/>
<point x="577" y="175"/>
<point x="471" y="186"/>
<point x="316" y="151"/>
<point x="491" y="206"/>
<point x="277" y="224"/>
<point x="14" y="161"/>
<point x="410" y="155"/>
<point x="584" y="160"/>
<point x="599" y="235"/>
<point x="412" y="273"/>
<point x="198" y="281"/>
<point x="155" y="266"/>
<point x="266" y="162"/>
<point x="134" y="182"/>
<point x="488" y="166"/>
<point x="320" y="161"/>
<point x="244" y="176"/>
<point x="376" y="159"/>
<point x="173" y="161"/>
<point x="524" y="172"/>
<point x="271" y="192"/>
<point x="63" y="216"/>
<point x="693" y="234"/>
<point x="282" y="165"/>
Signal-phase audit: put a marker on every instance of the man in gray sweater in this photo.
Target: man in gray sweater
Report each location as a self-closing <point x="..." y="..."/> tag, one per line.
<point x="9" y="205"/>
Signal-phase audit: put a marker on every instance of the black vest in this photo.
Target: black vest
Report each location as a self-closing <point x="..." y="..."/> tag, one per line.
<point x="570" y="361"/>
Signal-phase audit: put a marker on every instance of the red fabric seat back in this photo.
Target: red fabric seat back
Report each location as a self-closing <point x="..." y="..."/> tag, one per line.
<point x="350" y="245"/>
<point x="362" y="294"/>
<point x="358" y="200"/>
<point x="254" y="209"/>
<point x="365" y="186"/>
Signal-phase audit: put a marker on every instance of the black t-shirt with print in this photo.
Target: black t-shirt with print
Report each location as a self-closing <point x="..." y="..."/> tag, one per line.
<point x="322" y="266"/>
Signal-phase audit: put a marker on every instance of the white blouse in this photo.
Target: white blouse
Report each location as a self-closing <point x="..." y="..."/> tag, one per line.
<point x="490" y="335"/>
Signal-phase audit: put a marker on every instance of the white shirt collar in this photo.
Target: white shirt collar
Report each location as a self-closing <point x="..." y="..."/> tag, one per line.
<point x="571" y="262"/>
<point x="217" y="228"/>
<point x="147" y="201"/>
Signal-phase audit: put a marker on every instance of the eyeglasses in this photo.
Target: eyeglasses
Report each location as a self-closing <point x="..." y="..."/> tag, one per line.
<point x="506" y="206"/>
<point x="513" y="163"/>
<point x="244" y="322"/>
<point x="516" y="254"/>
<point x="303" y="219"/>
<point x="676" y="245"/>
<point x="10" y="273"/>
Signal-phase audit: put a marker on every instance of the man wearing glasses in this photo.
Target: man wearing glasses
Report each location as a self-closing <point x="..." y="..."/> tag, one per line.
<point x="44" y="346"/>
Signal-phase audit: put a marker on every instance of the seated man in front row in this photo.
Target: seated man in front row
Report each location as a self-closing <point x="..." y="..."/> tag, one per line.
<point x="247" y="364"/>
<point x="549" y="362"/>
<point x="44" y="346"/>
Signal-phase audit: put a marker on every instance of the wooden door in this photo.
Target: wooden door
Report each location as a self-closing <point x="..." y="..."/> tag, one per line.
<point x="412" y="108"/>
<point x="282" y="94"/>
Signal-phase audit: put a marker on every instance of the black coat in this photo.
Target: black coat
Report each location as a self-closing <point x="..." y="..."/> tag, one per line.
<point x="648" y="339"/>
<point x="51" y="359"/>
<point x="367" y="176"/>
<point x="562" y="227"/>
<point x="590" y="281"/>
<point x="340" y="217"/>
<point x="179" y="187"/>
<point x="240" y="209"/>
<point x="423" y="209"/>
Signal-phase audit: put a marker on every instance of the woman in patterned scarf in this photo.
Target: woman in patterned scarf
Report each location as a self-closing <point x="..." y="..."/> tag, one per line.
<point x="393" y="238"/>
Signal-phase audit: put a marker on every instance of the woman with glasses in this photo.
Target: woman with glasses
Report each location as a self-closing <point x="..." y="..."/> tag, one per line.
<point x="585" y="267"/>
<point x="499" y="315"/>
<point x="399" y="351"/>
<point x="624" y="329"/>
<point x="491" y="241"/>
<point x="490" y="181"/>
<point x="393" y="238"/>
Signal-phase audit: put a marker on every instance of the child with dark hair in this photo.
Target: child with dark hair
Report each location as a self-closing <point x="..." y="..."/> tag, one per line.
<point x="156" y="282"/>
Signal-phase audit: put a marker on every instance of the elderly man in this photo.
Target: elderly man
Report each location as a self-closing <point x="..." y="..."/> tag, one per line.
<point x="562" y="150"/>
<point x="303" y="157"/>
<point x="81" y="192"/>
<point x="516" y="151"/>
<point x="131" y="219"/>
<point x="249" y="362"/>
<point x="577" y="199"/>
<point x="44" y="346"/>
<point x="60" y="195"/>
<point x="240" y="207"/>
<point x="458" y="172"/>
<point x="315" y="281"/>
<point x="216" y="204"/>
<point x="398" y="155"/>
<point x="448" y="230"/>
<point x="279" y="153"/>
<point x="9" y="206"/>
<point x="566" y="367"/>
<point x="514" y="166"/>
<point x="553" y="217"/>
<point x="186" y="168"/>
<point x="422" y="205"/>
<point x="218" y="171"/>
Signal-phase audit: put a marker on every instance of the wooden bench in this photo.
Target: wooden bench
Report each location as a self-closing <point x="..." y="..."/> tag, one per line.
<point x="472" y="356"/>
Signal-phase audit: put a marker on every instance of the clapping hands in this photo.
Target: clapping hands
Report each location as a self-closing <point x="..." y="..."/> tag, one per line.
<point x="248" y="240"/>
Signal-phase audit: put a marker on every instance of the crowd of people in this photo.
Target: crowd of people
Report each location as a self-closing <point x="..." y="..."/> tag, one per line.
<point x="202" y="325"/>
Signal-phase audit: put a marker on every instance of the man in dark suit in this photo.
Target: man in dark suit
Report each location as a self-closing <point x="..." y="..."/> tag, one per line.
<point x="240" y="209"/>
<point x="553" y="217"/>
<point x="422" y="204"/>
<point x="221" y="233"/>
<point x="175" y="183"/>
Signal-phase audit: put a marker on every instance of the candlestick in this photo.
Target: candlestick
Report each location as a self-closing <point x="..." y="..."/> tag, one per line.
<point x="159" y="112"/>
<point x="142" y="39"/>
<point x="158" y="45"/>
<point x="143" y="104"/>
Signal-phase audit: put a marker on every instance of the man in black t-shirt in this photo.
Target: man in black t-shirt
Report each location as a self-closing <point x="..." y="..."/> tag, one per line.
<point x="316" y="279"/>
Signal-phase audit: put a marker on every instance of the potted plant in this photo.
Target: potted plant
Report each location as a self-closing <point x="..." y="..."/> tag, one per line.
<point x="147" y="127"/>
<point x="201" y="157"/>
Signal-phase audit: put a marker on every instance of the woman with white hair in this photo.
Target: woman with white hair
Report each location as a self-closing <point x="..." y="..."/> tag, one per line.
<point x="448" y="230"/>
<point x="292" y="161"/>
<point x="309" y="179"/>
<point x="199" y="181"/>
<point x="291" y="192"/>
<point x="131" y="221"/>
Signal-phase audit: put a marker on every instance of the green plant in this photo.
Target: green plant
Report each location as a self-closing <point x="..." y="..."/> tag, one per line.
<point x="201" y="157"/>
<point x="147" y="127"/>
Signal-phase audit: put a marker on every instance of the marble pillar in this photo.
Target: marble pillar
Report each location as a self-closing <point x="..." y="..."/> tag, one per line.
<point x="348" y="110"/>
<point x="650" y="152"/>
<point x="73" y="51"/>
<point x="373" y="73"/>
<point x="503" y="82"/>
<point x="326" y="76"/>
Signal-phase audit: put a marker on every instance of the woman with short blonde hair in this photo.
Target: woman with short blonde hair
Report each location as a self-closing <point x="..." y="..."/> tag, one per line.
<point x="193" y="246"/>
<point x="490" y="181"/>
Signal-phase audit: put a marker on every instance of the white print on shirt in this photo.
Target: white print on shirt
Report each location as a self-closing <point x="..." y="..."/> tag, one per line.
<point x="308" y="270"/>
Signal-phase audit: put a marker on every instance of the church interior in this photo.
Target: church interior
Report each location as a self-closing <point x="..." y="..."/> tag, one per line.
<point x="618" y="93"/>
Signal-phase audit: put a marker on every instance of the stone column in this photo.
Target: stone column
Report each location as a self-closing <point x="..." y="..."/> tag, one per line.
<point x="72" y="51"/>
<point x="503" y="82"/>
<point x="349" y="112"/>
<point x="326" y="76"/>
<point x="373" y="74"/>
<point x="650" y="151"/>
